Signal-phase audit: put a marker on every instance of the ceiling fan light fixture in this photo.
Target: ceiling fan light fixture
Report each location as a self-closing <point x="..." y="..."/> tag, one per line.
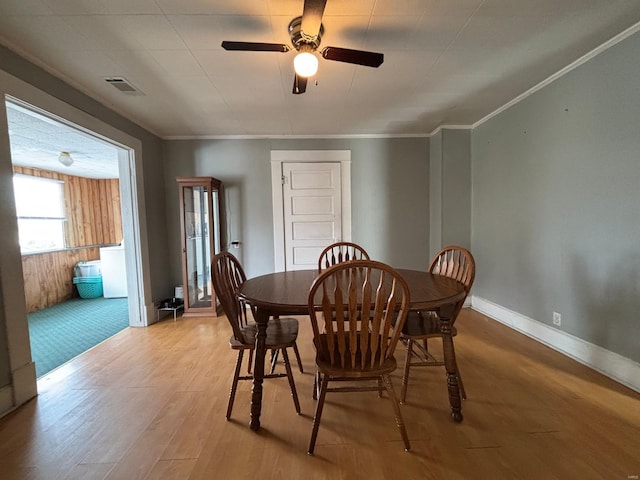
<point x="306" y="34"/>
<point x="65" y="159"/>
<point x="305" y="64"/>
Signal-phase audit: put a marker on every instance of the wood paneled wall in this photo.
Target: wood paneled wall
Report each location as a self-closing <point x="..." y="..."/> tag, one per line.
<point x="93" y="219"/>
<point x="48" y="277"/>
<point x="92" y="207"/>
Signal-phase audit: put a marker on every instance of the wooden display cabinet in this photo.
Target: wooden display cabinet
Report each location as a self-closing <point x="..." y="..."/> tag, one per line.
<point x="200" y="222"/>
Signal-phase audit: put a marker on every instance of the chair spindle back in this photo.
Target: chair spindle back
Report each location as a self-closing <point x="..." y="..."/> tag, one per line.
<point x="370" y="301"/>
<point x="457" y="263"/>
<point x="341" y="252"/>
<point x="228" y="276"/>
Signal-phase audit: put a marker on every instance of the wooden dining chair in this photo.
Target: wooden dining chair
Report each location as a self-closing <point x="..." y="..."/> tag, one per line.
<point x="228" y="276"/>
<point x="346" y="352"/>
<point x="452" y="262"/>
<point x="341" y="252"/>
<point x="337" y="253"/>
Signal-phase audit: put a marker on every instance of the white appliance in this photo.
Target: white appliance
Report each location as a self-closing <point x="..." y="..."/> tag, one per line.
<point x="114" y="271"/>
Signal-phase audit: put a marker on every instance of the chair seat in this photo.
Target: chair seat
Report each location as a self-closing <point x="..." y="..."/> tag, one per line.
<point x="281" y="333"/>
<point x="423" y="325"/>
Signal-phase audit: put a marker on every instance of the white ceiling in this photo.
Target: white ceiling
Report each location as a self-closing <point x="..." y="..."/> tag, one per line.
<point x="36" y="141"/>
<point x="447" y="62"/>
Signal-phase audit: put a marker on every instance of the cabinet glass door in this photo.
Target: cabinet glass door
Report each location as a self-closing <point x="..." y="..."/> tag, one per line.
<point x="200" y="222"/>
<point x="197" y="250"/>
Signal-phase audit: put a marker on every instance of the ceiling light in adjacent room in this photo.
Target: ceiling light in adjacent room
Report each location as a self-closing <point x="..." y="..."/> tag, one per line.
<point x="65" y="159"/>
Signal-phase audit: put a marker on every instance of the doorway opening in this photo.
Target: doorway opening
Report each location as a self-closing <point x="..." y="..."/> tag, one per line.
<point x="74" y="267"/>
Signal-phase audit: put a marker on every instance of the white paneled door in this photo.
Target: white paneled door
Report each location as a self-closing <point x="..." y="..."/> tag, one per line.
<point x="312" y="202"/>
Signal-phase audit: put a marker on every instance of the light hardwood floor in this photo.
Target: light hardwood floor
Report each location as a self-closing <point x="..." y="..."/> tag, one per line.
<point x="150" y="403"/>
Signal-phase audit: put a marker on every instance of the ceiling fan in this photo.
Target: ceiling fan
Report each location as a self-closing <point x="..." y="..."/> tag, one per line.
<point x="306" y="32"/>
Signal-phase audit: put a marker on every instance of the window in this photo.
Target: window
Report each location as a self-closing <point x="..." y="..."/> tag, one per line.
<point x="41" y="215"/>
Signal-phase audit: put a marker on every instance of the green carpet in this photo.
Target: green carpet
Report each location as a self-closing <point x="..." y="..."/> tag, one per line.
<point x="62" y="332"/>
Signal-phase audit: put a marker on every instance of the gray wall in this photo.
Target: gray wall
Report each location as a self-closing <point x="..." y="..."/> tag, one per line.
<point x="435" y="193"/>
<point x="556" y="202"/>
<point x="390" y="199"/>
<point x="456" y="187"/>
<point x="450" y="189"/>
<point x="5" y="369"/>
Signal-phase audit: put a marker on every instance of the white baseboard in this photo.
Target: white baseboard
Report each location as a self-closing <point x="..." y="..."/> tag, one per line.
<point x="25" y="385"/>
<point x="22" y="389"/>
<point x="6" y="400"/>
<point x="151" y="314"/>
<point x="614" y="366"/>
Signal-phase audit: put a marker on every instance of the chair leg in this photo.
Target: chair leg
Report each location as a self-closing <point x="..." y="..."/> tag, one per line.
<point x="317" y="381"/>
<point x="398" y="413"/>
<point x="463" y="394"/>
<point x="292" y="385"/>
<point x="314" y="395"/>
<point x="295" y="350"/>
<point x="250" y="362"/>
<point x="318" y="414"/>
<point x="234" y="383"/>
<point x="274" y="360"/>
<point x="405" y="375"/>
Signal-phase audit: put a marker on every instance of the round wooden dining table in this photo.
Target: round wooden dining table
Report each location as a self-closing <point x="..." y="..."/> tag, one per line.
<point x="286" y="293"/>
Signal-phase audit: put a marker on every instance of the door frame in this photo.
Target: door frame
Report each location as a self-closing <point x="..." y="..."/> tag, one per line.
<point x="278" y="157"/>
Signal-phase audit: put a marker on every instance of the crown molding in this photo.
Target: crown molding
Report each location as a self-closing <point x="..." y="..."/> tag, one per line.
<point x="296" y="137"/>
<point x="563" y="71"/>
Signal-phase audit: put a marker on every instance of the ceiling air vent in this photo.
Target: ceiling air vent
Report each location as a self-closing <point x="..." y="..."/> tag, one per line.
<point x="123" y="85"/>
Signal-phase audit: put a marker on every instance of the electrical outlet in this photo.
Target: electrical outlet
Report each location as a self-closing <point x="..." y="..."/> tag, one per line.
<point x="557" y="319"/>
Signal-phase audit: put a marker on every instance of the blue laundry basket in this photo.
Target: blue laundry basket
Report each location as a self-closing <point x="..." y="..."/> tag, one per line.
<point x="89" y="287"/>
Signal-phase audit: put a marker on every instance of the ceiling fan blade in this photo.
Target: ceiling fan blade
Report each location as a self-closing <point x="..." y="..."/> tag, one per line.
<point x="312" y="16"/>
<point x="299" y="85"/>
<point x="359" y="57"/>
<point x="255" y="46"/>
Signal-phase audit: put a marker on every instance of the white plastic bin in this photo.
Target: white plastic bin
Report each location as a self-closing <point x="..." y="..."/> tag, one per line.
<point x="90" y="268"/>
